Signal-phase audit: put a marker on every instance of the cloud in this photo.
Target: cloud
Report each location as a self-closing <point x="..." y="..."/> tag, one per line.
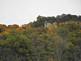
<point x="25" y="11"/>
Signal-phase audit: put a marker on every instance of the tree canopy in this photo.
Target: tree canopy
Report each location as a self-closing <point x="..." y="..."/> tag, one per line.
<point x="60" y="41"/>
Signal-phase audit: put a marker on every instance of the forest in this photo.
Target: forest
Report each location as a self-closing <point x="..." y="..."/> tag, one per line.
<point x="46" y="39"/>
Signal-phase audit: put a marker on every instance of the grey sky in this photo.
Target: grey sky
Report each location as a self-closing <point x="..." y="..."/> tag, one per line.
<point x="24" y="11"/>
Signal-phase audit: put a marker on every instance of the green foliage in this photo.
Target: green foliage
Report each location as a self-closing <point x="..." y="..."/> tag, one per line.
<point x="35" y="43"/>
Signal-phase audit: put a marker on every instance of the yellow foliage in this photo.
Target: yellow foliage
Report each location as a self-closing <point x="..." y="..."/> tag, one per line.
<point x="5" y="33"/>
<point x="19" y="29"/>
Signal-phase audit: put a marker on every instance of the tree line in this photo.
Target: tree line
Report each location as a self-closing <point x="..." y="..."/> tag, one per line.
<point x="34" y="42"/>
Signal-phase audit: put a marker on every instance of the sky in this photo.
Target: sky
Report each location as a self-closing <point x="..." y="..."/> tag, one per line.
<point x="25" y="11"/>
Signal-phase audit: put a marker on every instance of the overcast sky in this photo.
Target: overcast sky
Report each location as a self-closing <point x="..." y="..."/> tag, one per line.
<point x="25" y="11"/>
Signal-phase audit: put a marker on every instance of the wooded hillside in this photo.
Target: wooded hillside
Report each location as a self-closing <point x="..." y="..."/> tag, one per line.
<point x="46" y="39"/>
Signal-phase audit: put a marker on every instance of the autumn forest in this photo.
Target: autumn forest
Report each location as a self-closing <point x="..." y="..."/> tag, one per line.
<point x="46" y="39"/>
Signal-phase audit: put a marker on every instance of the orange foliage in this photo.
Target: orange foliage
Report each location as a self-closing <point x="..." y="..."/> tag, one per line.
<point x="51" y="30"/>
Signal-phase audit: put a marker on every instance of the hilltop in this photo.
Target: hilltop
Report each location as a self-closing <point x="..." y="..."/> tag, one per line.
<point x="46" y="39"/>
